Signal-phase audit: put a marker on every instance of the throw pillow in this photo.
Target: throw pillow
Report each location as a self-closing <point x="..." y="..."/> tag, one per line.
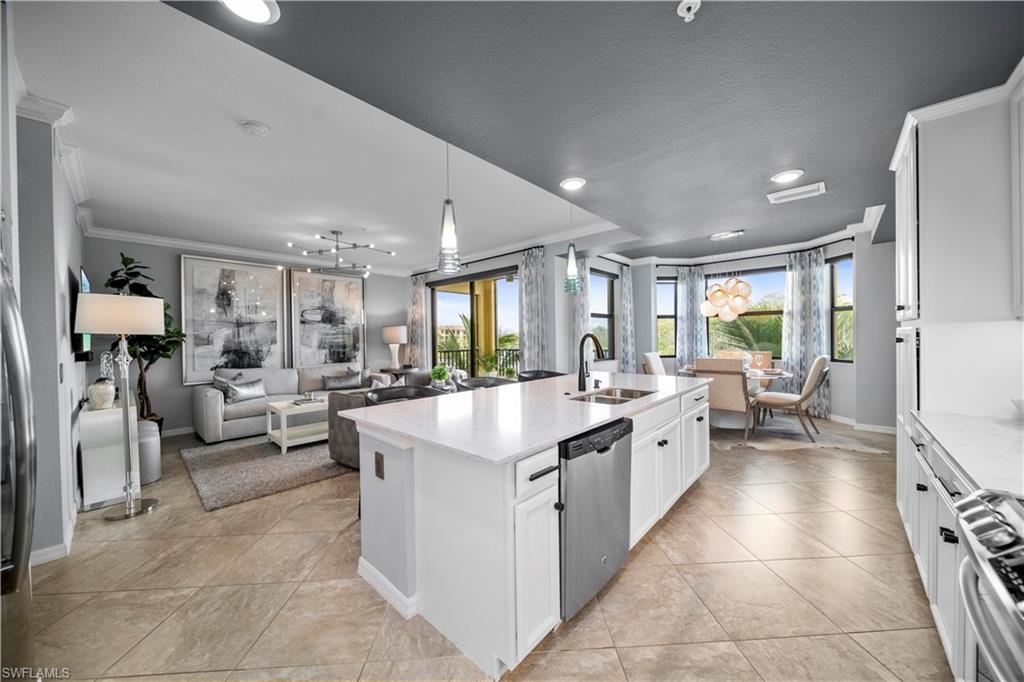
<point x="248" y="390"/>
<point x="347" y="382"/>
<point x="400" y="382"/>
<point x="223" y="384"/>
<point x="376" y="384"/>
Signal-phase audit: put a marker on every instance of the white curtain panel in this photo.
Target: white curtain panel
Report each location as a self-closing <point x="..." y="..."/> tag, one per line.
<point x="417" y="351"/>
<point x="533" y="349"/>
<point x="805" y="322"/>
<point x="580" y="313"/>
<point x="627" y="328"/>
<point x="691" y="325"/>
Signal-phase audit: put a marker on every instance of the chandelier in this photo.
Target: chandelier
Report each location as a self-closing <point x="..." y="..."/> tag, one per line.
<point x="730" y="299"/>
<point x="341" y="266"/>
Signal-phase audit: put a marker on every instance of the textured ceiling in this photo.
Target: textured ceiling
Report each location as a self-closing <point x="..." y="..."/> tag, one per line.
<point x="675" y="126"/>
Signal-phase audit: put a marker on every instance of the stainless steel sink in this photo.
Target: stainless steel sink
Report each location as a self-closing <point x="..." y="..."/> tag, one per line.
<point x="612" y="396"/>
<point x="602" y="399"/>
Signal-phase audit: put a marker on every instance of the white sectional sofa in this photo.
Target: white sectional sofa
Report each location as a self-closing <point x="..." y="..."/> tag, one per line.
<point x="214" y="421"/>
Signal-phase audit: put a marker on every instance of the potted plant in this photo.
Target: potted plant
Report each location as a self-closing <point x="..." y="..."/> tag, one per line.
<point x="146" y="350"/>
<point x="439" y="377"/>
<point x="487" y="365"/>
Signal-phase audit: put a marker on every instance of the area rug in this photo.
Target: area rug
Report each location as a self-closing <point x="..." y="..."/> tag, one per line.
<point x="228" y="473"/>
<point x="783" y="432"/>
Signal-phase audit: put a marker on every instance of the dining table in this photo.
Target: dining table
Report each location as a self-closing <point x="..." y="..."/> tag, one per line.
<point x="724" y="419"/>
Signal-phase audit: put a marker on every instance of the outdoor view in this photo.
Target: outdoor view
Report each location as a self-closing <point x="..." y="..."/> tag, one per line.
<point x="842" y="310"/>
<point x="496" y="334"/>
<point x="666" y="311"/>
<point x="602" y="318"/>
<point x="760" y="328"/>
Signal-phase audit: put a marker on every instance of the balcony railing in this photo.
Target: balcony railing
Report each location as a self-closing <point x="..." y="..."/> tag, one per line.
<point x="508" y="360"/>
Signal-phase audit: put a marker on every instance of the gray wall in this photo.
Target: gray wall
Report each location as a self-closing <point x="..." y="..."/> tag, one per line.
<point x="875" y="330"/>
<point x="644" y="282"/>
<point x="386" y="302"/>
<point x="50" y="247"/>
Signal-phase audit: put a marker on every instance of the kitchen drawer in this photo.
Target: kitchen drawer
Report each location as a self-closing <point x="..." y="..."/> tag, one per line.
<point x="695" y="400"/>
<point x="534" y="466"/>
<point x="652" y="418"/>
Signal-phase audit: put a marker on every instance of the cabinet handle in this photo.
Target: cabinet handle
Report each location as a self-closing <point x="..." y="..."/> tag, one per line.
<point x="949" y="536"/>
<point x="951" y="489"/>
<point x="662" y="443"/>
<point x="543" y="472"/>
<point x="900" y="307"/>
<point x="899" y="339"/>
<point x="921" y="488"/>
<point x="698" y="399"/>
<point x="700" y="419"/>
<point x="916" y="444"/>
<point x="559" y="506"/>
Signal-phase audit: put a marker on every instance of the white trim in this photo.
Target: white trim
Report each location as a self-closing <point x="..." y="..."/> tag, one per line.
<point x="74" y="172"/>
<point x="392" y="439"/>
<point x="842" y="420"/>
<point x="875" y="428"/>
<point x="406" y="606"/>
<point x="765" y="251"/>
<point x="182" y="431"/>
<point x="46" y="554"/>
<point x="83" y="216"/>
<point x="45" y="110"/>
<point x="951" y="107"/>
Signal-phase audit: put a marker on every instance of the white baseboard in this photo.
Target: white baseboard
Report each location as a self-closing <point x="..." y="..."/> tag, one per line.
<point x="183" y="431"/>
<point x="891" y="430"/>
<point x="407" y="606"/>
<point x="842" y="420"/>
<point x="46" y="554"/>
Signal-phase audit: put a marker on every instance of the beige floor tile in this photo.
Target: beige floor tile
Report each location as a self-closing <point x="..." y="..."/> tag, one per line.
<point x="655" y="605"/>
<point x="95" y="567"/>
<point x="400" y="639"/>
<point x="589" y="664"/>
<point x="843" y="495"/>
<point x="736" y="473"/>
<point x="211" y="631"/>
<point x="888" y="519"/>
<point x="446" y="669"/>
<point x="769" y="537"/>
<point x="275" y="558"/>
<point x="851" y="597"/>
<point x="47" y="609"/>
<point x="341" y="558"/>
<point x="782" y="498"/>
<point x="248" y="518"/>
<point x="343" y="487"/>
<point x="697" y="539"/>
<point x="322" y="623"/>
<point x="894" y="569"/>
<point x="322" y="515"/>
<point x="803" y="469"/>
<point x="209" y="676"/>
<point x="94" y="636"/>
<point x="188" y="562"/>
<point x="586" y="630"/>
<point x="703" y="661"/>
<point x="647" y="553"/>
<point x="345" y="671"/>
<point x="716" y="499"/>
<point x="846" y="534"/>
<point x="828" y="657"/>
<point x="910" y="654"/>
<point x="751" y="602"/>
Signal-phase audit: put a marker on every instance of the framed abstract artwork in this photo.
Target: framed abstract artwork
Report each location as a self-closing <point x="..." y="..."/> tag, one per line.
<point x="234" y="316"/>
<point x="327" y="319"/>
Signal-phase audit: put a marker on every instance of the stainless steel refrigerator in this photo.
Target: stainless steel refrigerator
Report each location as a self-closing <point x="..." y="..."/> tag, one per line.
<point x="17" y="497"/>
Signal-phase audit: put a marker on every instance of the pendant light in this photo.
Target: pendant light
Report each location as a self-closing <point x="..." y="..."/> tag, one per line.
<point x="448" y="257"/>
<point x="573" y="281"/>
<point x="730" y="299"/>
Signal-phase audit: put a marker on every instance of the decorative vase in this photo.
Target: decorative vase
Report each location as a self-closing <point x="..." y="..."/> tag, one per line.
<point x="101" y="394"/>
<point x="439" y="385"/>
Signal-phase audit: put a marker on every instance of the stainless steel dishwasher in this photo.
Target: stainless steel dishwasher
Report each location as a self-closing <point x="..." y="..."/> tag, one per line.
<point x="594" y="510"/>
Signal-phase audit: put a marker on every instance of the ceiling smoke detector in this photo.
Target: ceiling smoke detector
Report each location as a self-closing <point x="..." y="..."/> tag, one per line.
<point x="687" y="9"/>
<point x="255" y="129"/>
<point x="796" y="193"/>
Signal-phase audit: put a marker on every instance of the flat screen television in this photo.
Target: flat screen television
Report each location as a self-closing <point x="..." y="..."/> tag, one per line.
<point x="81" y="344"/>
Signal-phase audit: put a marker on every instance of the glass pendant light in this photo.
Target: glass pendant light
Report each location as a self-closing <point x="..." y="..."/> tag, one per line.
<point x="573" y="281"/>
<point x="448" y="257"/>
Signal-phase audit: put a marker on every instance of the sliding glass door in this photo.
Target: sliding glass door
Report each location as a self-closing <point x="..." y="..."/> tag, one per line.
<point x="476" y="324"/>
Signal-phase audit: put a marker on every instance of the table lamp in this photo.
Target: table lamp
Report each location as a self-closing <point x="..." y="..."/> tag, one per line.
<point x="394" y="337"/>
<point x="122" y="316"/>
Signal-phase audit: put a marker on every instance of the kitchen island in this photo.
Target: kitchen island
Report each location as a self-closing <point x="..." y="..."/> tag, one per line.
<point x="459" y="497"/>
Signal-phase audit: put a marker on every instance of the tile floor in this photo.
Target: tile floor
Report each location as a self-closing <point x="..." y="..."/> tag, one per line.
<point x="778" y="565"/>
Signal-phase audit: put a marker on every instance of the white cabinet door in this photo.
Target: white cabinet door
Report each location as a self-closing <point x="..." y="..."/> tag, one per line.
<point x="947" y="555"/>
<point x="923" y="506"/>
<point x="906" y="233"/>
<point x="696" y="444"/>
<point x="644" y="509"/>
<point x="669" y="445"/>
<point x="538" y="597"/>
<point x="702" y="439"/>
<point x="1017" y="195"/>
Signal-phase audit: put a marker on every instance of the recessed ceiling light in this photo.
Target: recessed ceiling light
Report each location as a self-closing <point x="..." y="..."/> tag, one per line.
<point x="782" y="177"/>
<point x="256" y="11"/>
<point x="255" y="129"/>
<point x="572" y="184"/>
<point x="731" y="234"/>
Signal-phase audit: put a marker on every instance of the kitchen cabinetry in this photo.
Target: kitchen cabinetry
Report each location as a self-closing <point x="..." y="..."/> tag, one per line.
<point x="670" y="463"/>
<point x="644" y="485"/>
<point x="538" y="602"/>
<point x="696" y="444"/>
<point x="907" y="230"/>
<point x="1017" y="183"/>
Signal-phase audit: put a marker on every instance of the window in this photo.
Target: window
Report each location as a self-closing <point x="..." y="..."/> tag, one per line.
<point x="602" y="310"/>
<point x="842" y="309"/>
<point x="666" y="311"/>
<point x="760" y="328"/>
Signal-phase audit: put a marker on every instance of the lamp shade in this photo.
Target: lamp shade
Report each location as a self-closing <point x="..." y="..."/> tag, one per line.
<point x="113" y="314"/>
<point x="397" y="334"/>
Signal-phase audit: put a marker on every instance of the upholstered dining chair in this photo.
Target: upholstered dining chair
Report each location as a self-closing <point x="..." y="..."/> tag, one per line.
<point x="728" y="390"/>
<point x="798" y="402"/>
<point x="735" y="354"/>
<point x="653" y="364"/>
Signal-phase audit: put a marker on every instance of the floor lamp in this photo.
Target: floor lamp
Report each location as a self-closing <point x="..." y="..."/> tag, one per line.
<point x="122" y="316"/>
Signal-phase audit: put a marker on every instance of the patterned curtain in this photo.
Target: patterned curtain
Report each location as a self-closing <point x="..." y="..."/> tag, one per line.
<point x="691" y="327"/>
<point x="580" y="313"/>
<point x="805" y="322"/>
<point x="417" y="351"/>
<point x="533" y="348"/>
<point x="627" y="328"/>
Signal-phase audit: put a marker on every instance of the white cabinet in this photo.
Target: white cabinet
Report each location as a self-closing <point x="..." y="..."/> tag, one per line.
<point x="538" y="599"/>
<point x="669" y="444"/>
<point x="907" y="230"/>
<point x="644" y="508"/>
<point x="923" y="513"/>
<point x="946" y="559"/>
<point x="1017" y="196"/>
<point x="696" y="444"/>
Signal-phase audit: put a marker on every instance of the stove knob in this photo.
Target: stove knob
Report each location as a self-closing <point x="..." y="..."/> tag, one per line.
<point x="1000" y="537"/>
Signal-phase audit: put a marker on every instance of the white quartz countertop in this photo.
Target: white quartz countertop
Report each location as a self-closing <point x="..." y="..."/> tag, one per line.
<point x="989" y="452"/>
<point x="504" y="423"/>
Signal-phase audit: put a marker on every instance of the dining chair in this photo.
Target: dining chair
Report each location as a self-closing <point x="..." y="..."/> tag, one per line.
<point x="736" y="354"/>
<point x="798" y="402"/>
<point x="653" y="364"/>
<point x="728" y="390"/>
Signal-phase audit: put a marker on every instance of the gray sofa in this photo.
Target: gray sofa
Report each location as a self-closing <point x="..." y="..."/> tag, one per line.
<point x="214" y="421"/>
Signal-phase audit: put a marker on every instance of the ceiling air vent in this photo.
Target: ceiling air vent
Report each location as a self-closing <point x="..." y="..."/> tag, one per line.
<point x="796" y="193"/>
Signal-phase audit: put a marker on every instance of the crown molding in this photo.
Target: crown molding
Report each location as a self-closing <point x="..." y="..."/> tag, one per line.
<point x="83" y="216"/>
<point x="957" y="105"/>
<point x="45" y="110"/>
<point x="751" y="253"/>
<point x="185" y="245"/>
<point x="74" y="171"/>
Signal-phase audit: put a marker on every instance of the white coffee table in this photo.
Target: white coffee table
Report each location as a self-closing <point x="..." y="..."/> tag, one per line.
<point x="287" y="436"/>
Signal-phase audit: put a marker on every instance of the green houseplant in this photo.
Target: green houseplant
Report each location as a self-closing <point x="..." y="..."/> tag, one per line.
<point x="440" y="373"/>
<point x="130" y="279"/>
<point x="487" y="365"/>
